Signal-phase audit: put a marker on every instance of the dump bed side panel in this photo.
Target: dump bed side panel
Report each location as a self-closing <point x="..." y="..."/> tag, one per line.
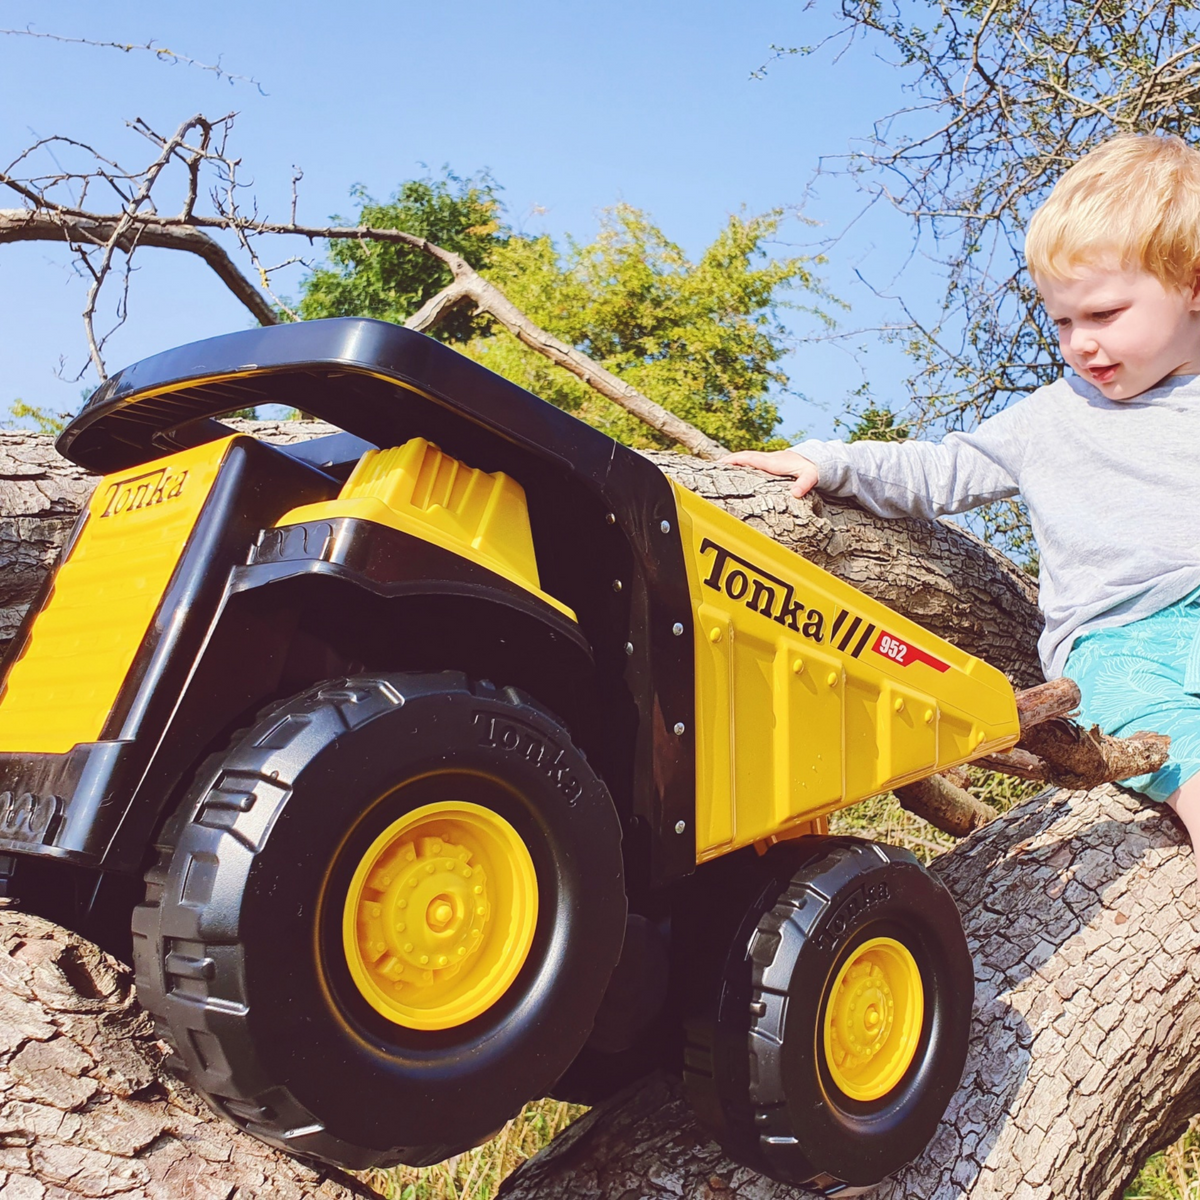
<point x="809" y="694"/>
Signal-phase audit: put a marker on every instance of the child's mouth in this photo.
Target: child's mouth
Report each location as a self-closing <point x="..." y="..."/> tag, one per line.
<point x="1103" y="374"/>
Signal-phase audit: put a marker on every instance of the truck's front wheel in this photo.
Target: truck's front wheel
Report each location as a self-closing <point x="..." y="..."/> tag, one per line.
<point x="384" y="918"/>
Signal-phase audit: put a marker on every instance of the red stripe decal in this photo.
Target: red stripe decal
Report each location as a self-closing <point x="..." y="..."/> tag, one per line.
<point x="905" y="653"/>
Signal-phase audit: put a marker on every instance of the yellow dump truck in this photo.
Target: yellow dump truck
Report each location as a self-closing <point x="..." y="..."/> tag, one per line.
<point x="460" y="758"/>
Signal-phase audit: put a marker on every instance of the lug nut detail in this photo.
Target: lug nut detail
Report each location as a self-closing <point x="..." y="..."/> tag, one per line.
<point x="680" y="826"/>
<point x="617" y="585"/>
<point x="610" y="518"/>
<point x="665" y="526"/>
<point x="679" y="728"/>
<point x="628" y="647"/>
<point x="677" y="629"/>
<point x="797" y="666"/>
<point x="714" y="634"/>
<point x="832" y="679"/>
<point x="899" y="705"/>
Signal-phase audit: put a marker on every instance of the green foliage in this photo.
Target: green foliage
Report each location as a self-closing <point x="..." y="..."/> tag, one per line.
<point x="51" y="424"/>
<point x="390" y="282"/>
<point x="876" y="424"/>
<point x="704" y="339"/>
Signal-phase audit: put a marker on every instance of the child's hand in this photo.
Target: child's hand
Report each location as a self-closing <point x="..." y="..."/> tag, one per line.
<point x="778" y="462"/>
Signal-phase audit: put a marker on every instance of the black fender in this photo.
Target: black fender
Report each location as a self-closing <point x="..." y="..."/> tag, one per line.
<point x="323" y="597"/>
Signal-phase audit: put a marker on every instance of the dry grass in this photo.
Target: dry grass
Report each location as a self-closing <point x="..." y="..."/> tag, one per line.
<point x="477" y="1174"/>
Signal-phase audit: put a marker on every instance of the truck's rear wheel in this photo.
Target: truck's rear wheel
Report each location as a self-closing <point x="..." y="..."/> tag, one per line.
<point x="839" y="1030"/>
<point x="384" y="918"/>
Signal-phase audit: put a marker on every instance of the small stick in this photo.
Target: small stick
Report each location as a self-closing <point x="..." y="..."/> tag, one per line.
<point x="944" y="806"/>
<point x="1054" y="699"/>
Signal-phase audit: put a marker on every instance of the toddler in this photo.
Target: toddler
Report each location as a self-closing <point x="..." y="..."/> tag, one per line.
<point x="1107" y="459"/>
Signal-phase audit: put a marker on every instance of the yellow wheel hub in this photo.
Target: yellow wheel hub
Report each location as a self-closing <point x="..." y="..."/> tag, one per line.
<point x="873" y="1019"/>
<point x="440" y="915"/>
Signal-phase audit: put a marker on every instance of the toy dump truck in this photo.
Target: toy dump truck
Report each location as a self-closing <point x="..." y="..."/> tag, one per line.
<point x="461" y="758"/>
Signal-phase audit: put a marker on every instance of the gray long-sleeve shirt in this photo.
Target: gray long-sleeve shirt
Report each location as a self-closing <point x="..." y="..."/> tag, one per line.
<point x="1112" y="488"/>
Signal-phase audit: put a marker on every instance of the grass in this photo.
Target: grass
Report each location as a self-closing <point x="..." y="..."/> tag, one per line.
<point x="1172" y="1174"/>
<point x="477" y="1174"/>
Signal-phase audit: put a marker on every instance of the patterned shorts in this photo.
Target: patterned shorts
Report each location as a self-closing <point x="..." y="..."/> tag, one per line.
<point x="1146" y="676"/>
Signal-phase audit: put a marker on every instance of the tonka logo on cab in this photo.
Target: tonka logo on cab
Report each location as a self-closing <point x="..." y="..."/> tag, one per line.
<point x="143" y="491"/>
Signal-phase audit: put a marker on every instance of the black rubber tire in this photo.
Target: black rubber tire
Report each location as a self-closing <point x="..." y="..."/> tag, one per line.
<point x="237" y="946"/>
<point x="755" y="1069"/>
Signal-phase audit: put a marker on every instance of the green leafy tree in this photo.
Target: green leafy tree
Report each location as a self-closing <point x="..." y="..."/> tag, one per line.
<point x="704" y="339"/>
<point x="51" y="424"/>
<point x="376" y="279"/>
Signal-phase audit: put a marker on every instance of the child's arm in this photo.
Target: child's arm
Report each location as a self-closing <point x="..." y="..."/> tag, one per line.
<point x="895" y="479"/>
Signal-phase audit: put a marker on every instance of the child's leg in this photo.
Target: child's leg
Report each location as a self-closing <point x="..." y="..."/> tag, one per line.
<point x="1146" y="676"/>
<point x="1185" y="800"/>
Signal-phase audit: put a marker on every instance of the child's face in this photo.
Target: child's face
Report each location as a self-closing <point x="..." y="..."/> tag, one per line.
<point x="1122" y="330"/>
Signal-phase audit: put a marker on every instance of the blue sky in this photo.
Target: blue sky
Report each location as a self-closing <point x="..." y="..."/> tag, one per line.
<point x="572" y="107"/>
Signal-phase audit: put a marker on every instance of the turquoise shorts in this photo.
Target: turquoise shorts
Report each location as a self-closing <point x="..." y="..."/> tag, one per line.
<point x="1146" y="676"/>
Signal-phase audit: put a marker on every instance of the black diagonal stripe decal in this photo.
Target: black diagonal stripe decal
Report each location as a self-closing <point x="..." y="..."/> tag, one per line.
<point x="849" y="634"/>
<point x="837" y="623"/>
<point x="862" y="641"/>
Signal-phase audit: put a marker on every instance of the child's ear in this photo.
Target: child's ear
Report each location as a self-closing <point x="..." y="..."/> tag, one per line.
<point x="1194" y="302"/>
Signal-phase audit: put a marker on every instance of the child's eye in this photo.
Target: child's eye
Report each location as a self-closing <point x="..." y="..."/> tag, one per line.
<point x="1062" y="322"/>
<point x="1106" y="315"/>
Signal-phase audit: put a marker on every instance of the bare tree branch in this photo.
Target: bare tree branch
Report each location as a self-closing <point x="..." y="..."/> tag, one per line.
<point x="25" y="225"/>
<point x="162" y="53"/>
<point x="55" y="212"/>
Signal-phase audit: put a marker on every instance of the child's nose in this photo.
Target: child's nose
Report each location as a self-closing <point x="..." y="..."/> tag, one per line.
<point x="1083" y="342"/>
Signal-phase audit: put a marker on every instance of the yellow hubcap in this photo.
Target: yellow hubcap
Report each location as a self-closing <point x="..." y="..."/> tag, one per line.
<point x="440" y="915"/>
<point x="873" y="1019"/>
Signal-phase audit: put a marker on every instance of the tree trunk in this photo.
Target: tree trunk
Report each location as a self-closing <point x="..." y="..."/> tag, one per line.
<point x="1080" y="909"/>
<point x="86" y="1109"/>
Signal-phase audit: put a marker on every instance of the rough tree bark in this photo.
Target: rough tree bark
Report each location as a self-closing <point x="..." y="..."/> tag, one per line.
<point x="1080" y="908"/>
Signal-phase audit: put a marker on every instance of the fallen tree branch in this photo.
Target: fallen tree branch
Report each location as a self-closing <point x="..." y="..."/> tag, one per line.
<point x="1057" y="698"/>
<point x="470" y="285"/>
<point x="1084" y="758"/>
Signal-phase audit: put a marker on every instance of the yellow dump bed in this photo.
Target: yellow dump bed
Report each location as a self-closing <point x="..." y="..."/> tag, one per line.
<point x="810" y="695"/>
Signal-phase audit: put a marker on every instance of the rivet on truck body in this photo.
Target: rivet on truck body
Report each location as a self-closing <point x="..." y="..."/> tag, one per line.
<point x="665" y="526"/>
<point x="680" y="826"/>
<point x="679" y="728"/>
<point x="677" y="629"/>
